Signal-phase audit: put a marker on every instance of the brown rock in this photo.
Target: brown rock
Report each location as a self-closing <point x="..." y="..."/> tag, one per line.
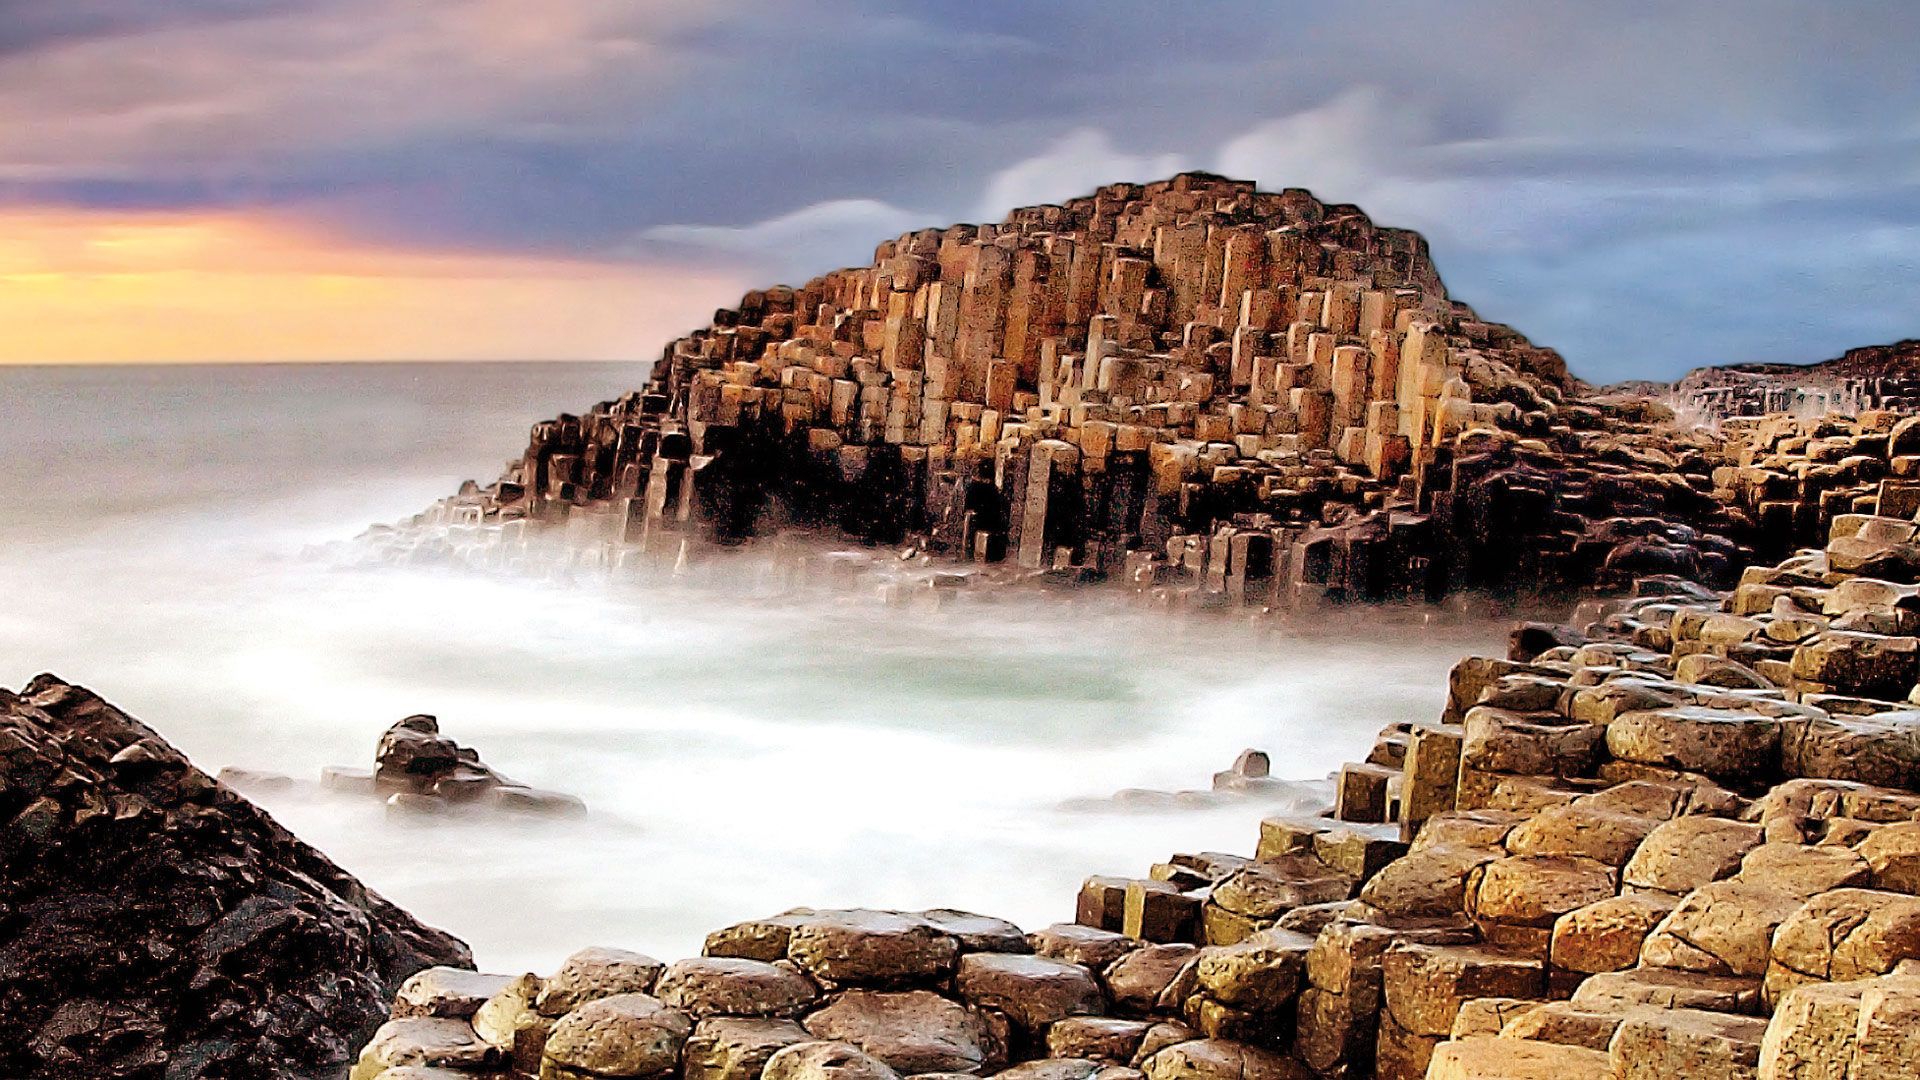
<point x="1892" y="853"/>
<point x="1088" y="946"/>
<point x="1138" y="979"/>
<point x="1272" y="887"/>
<point x="825" y="1061"/>
<point x="1568" y="1024"/>
<point x="621" y="1035"/>
<point x="446" y="991"/>
<point x="1484" y="1058"/>
<point x="756" y="939"/>
<point x="1535" y="890"/>
<point x="425" y="1041"/>
<point x="1055" y="1069"/>
<point x="1033" y="991"/>
<point x="871" y="948"/>
<point x="1724" y="928"/>
<point x="1261" y="974"/>
<point x="1218" y="1059"/>
<point x="1426" y="984"/>
<point x="1430" y="881"/>
<point x="912" y="1031"/>
<point x="731" y="986"/>
<point x="735" y="1048"/>
<point x="1582" y="829"/>
<point x="1801" y="870"/>
<point x="596" y="973"/>
<point x="1811" y="1036"/>
<point x="1098" y="1038"/>
<point x="1843" y="935"/>
<point x="1720" y="743"/>
<point x="509" y="1022"/>
<point x="1887" y="1041"/>
<point x="1606" y="935"/>
<point x="1661" y="1044"/>
<point x="1683" y="854"/>
<point x="1539" y="745"/>
<point x="979" y="933"/>
<point x="1669" y="989"/>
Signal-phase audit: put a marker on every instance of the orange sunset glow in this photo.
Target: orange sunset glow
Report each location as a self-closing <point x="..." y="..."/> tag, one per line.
<point x="102" y="287"/>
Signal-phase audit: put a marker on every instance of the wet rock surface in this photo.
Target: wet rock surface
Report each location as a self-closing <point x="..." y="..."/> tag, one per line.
<point x="1677" y="840"/>
<point x="153" y="923"/>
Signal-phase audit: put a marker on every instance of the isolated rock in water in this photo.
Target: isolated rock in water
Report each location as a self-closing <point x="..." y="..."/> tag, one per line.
<point x="158" y="924"/>
<point x="418" y="769"/>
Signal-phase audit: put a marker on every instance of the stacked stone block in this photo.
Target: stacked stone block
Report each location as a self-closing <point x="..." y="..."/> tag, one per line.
<point x="1247" y="397"/>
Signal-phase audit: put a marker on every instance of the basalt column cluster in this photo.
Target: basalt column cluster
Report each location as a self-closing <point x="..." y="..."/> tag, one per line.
<point x="1190" y="376"/>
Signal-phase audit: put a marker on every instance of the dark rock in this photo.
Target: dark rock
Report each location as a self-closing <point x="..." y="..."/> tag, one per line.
<point x="154" y="923"/>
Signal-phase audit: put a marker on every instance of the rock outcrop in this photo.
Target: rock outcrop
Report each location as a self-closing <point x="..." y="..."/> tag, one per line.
<point x="1869" y="377"/>
<point x="1245" y="397"/>
<point x="1680" y="841"/>
<point x="154" y="924"/>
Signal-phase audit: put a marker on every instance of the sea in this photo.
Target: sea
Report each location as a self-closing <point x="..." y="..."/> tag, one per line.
<point x="165" y="534"/>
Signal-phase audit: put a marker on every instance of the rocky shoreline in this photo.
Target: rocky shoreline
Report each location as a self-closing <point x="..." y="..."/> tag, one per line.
<point x="1681" y="839"/>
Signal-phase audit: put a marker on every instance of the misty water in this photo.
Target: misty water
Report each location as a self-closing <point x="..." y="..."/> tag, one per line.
<point x="741" y="751"/>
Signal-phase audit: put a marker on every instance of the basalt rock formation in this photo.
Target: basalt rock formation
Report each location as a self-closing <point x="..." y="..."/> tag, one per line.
<point x="154" y="924"/>
<point x="1869" y="377"/>
<point x="1192" y="383"/>
<point x="1681" y="841"/>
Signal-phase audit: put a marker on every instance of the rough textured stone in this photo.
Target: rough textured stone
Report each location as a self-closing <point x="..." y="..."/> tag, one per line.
<point x="1721" y="743"/>
<point x="596" y="973"/>
<point x="872" y="948"/>
<point x="1099" y="1038"/>
<point x="825" y="1061"/>
<point x="1139" y="979"/>
<point x="1535" y="890"/>
<point x="1261" y="973"/>
<point x="446" y="991"/>
<point x="1688" y="852"/>
<point x="1606" y="935"/>
<point x="1088" y="946"/>
<point x="1842" y="935"/>
<point x="730" y="986"/>
<point x="1033" y="991"/>
<point x="1483" y="1058"/>
<point x="424" y="1041"/>
<point x="622" y="1035"/>
<point x="1582" y="829"/>
<point x="1219" y="1059"/>
<point x="913" y="1031"/>
<point x="1723" y="928"/>
<point x="1430" y="881"/>
<point x="736" y="1048"/>
<point x="269" y="958"/>
<point x="1426" y="984"/>
<point x="1811" y="1035"/>
<point x="1661" y="1044"/>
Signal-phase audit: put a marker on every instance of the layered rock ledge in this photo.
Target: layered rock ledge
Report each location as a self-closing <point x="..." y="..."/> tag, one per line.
<point x="154" y="924"/>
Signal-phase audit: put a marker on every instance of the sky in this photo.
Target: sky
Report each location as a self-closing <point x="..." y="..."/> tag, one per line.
<point x="1646" y="186"/>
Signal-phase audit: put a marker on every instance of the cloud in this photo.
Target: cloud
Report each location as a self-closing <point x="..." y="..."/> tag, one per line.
<point x="84" y="287"/>
<point x="1551" y="152"/>
<point x="1078" y="163"/>
<point x="808" y="241"/>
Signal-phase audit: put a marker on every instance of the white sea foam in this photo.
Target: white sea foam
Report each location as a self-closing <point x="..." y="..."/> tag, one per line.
<point x="742" y="751"/>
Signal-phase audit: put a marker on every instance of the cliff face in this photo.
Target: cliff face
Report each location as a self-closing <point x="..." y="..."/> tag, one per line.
<point x="1192" y="379"/>
<point x="155" y="924"/>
